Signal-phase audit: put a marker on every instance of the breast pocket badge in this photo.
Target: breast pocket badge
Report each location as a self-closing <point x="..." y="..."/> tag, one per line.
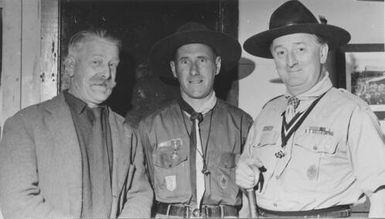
<point x="170" y="182"/>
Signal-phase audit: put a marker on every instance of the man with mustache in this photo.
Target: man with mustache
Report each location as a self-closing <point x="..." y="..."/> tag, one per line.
<point x="72" y="156"/>
<point x="193" y="143"/>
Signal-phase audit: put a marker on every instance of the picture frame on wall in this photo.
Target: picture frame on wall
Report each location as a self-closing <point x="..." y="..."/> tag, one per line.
<point x="363" y="74"/>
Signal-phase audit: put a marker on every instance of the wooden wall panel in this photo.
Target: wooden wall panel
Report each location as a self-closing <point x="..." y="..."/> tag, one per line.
<point x="30" y="47"/>
<point x="30" y="53"/>
<point x="49" y="49"/>
<point x="11" y="73"/>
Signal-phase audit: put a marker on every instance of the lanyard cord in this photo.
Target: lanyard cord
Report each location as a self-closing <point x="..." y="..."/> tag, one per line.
<point x="300" y="117"/>
<point x="204" y="171"/>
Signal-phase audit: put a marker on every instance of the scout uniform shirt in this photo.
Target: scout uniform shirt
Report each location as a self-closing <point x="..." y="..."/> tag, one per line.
<point x="165" y="136"/>
<point x="334" y="156"/>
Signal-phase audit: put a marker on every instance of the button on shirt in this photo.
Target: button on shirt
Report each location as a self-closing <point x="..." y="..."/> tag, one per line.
<point x="335" y="156"/>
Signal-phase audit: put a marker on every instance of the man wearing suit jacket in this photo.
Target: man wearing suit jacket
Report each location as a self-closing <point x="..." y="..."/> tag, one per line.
<point x="72" y="156"/>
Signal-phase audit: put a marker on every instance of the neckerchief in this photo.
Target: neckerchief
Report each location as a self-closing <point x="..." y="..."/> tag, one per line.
<point x="197" y="155"/>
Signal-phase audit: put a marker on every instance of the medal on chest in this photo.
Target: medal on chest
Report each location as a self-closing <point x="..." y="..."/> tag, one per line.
<point x="288" y="128"/>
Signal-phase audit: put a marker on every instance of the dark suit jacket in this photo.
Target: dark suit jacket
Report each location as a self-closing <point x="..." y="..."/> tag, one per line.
<point x="40" y="166"/>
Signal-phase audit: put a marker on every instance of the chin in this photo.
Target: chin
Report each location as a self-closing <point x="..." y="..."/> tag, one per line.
<point x="198" y="96"/>
<point x="100" y="98"/>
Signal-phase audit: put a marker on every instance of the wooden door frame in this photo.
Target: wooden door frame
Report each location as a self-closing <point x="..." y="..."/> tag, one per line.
<point x="30" y="54"/>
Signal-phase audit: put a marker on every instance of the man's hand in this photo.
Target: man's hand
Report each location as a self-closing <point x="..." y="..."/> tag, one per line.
<point x="247" y="173"/>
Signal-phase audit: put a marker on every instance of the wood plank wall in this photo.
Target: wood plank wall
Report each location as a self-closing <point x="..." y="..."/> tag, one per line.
<point x="30" y="54"/>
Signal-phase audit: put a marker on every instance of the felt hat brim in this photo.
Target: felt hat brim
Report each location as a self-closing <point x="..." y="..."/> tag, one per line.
<point x="164" y="50"/>
<point x="290" y="18"/>
<point x="259" y="44"/>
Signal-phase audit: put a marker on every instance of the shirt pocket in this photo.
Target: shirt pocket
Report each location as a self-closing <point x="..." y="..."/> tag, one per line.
<point x="265" y="147"/>
<point x="169" y="157"/>
<point x="223" y="177"/>
<point x="323" y="145"/>
<point x="171" y="174"/>
<point x="311" y="152"/>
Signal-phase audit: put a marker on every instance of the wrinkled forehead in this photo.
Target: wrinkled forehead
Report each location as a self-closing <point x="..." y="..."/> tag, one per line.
<point x="99" y="47"/>
<point x="92" y="43"/>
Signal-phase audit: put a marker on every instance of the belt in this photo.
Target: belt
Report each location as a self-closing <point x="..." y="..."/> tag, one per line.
<point x="332" y="212"/>
<point x="186" y="211"/>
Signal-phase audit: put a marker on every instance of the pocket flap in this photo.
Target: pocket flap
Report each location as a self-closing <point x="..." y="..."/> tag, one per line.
<point x="169" y="158"/>
<point x="228" y="160"/>
<point x="318" y="144"/>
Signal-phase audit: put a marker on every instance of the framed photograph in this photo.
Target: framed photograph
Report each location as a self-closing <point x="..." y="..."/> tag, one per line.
<point x="364" y="69"/>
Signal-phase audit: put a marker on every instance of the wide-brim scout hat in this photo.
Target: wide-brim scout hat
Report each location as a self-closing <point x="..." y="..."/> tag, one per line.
<point x="164" y="50"/>
<point x="293" y="17"/>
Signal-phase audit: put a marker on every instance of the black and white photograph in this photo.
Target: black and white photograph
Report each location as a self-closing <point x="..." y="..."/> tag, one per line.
<point x="192" y="109"/>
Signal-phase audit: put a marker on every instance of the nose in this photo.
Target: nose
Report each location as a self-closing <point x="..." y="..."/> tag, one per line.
<point x="106" y="72"/>
<point x="292" y="59"/>
<point x="194" y="69"/>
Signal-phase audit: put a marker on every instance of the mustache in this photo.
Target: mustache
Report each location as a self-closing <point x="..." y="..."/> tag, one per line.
<point x="109" y="83"/>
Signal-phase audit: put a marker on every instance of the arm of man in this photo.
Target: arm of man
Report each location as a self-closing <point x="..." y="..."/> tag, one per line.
<point x="367" y="150"/>
<point x="377" y="203"/>
<point x="139" y="192"/>
<point x="247" y="174"/>
<point x="21" y="196"/>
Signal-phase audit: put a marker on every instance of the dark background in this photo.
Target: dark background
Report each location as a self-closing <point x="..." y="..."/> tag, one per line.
<point x="140" y="23"/>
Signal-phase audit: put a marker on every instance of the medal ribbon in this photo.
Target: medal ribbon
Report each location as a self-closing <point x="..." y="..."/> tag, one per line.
<point x="288" y="129"/>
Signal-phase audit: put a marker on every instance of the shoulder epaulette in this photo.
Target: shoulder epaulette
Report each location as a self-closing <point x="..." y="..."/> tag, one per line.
<point x="271" y="100"/>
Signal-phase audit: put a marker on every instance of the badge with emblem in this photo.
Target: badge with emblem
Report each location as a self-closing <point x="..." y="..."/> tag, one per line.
<point x="223" y="181"/>
<point x="280" y="154"/>
<point x="268" y="128"/>
<point x="312" y="172"/>
<point x="170" y="182"/>
<point x="175" y="143"/>
<point x="174" y="155"/>
<point x="319" y="131"/>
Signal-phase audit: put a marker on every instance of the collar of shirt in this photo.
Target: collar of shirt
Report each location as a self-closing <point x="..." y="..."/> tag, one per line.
<point x="79" y="106"/>
<point x="317" y="90"/>
<point x="208" y="105"/>
<point x="74" y="103"/>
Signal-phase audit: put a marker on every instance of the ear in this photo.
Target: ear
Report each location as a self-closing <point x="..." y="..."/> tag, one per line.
<point x="218" y="63"/>
<point x="172" y="66"/>
<point x="69" y="65"/>
<point x="324" y="49"/>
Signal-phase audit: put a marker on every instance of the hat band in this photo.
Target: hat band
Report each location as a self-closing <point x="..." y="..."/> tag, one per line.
<point x="291" y="24"/>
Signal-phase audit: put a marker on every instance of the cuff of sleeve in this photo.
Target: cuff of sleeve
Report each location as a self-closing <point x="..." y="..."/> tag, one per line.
<point x="371" y="184"/>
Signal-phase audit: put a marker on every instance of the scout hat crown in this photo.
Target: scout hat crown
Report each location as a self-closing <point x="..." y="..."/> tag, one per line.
<point x="293" y="17"/>
<point x="164" y="50"/>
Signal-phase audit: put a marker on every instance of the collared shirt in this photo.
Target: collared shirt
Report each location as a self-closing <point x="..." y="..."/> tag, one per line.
<point x="96" y="162"/>
<point x="207" y="105"/>
<point x="166" y="142"/>
<point x="335" y="156"/>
